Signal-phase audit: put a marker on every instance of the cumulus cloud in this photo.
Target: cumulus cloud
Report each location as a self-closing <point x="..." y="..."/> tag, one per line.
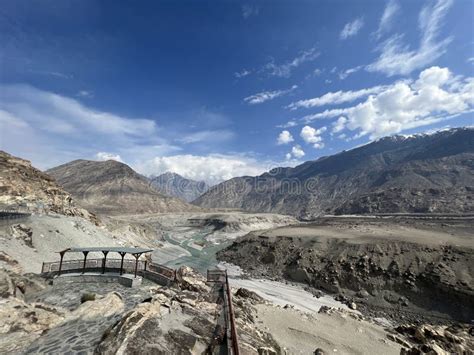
<point x="284" y="137"/>
<point x="339" y="125"/>
<point x="396" y="57"/>
<point x="313" y="136"/>
<point x="297" y="152"/>
<point x="333" y="98"/>
<point x="386" y="20"/>
<point x="436" y="95"/>
<point x="213" y="168"/>
<point x="284" y="70"/>
<point x="352" y="28"/>
<point x="264" y="96"/>
<point x="289" y="124"/>
<point x="108" y="156"/>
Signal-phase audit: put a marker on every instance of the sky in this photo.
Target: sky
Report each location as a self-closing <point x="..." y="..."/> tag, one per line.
<point x="216" y="89"/>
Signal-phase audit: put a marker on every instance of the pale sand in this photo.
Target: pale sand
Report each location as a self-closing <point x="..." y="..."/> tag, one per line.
<point x="366" y="231"/>
<point x="336" y="333"/>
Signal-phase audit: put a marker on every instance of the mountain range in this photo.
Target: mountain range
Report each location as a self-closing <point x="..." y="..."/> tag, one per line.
<point x="173" y="184"/>
<point x="399" y="174"/>
<point x="111" y="187"/>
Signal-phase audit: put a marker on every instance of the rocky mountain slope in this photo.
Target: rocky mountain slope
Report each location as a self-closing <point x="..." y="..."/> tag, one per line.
<point x="421" y="173"/>
<point x="173" y="184"/>
<point x="25" y="188"/>
<point x="111" y="187"/>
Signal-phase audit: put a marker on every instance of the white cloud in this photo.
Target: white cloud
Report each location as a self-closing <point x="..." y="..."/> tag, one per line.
<point x="312" y="135"/>
<point x="344" y="74"/>
<point x="339" y="125"/>
<point x="288" y="156"/>
<point x="470" y="60"/>
<point x="386" y="20"/>
<point x="338" y="97"/>
<point x="396" y="58"/>
<point x="437" y="95"/>
<point x="85" y="93"/>
<point x="297" y="152"/>
<point x="243" y="73"/>
<point x="249" y="10"/>
<point x="58" y="129"/>
<point x="284" y="70"/>
<point x="317" y="72"/>
<point x="261" y="97"/>
<point x="352" y="28"/>
<point x="284" y="137"/>
<point x="319" y="145"/>
<point x="211" y="168"/>
<point x="108" y="156"/>
<point x="220" y="135"/>
<point x="289" y="124"/>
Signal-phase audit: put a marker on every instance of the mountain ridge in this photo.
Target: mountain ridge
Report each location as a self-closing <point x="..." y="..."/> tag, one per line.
<point x="442" y="161"/>
<point x="112" y="187"/>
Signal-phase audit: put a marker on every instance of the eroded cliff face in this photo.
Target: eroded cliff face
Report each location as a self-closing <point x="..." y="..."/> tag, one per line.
<point x="25" y="188"/>
<point x="382" y="276"/>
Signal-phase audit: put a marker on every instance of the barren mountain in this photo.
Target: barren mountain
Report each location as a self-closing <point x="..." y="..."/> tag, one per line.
<point x="25" y="188"/>
<point x="111" y="187"/>
<point x="421" y="173"/>
<point x="173" y="184"/>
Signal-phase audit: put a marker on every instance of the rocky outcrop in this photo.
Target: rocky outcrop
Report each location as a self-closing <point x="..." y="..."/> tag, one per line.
<point x="25" y="188"/>
<point x="423" y="173"/>
<point x="172" y="184"/>
<point x="111" y="188"/>
<point x="184" y="319"/>
<point x="392" y="276"/>
<point x="438" y="339"/>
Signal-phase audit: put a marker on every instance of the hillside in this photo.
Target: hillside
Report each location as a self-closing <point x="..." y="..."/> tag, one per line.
<point x="421" y="173"/>
<point x="110" y="187"/>
<point x="173" y="184"/>
<point x="25" y="188"/>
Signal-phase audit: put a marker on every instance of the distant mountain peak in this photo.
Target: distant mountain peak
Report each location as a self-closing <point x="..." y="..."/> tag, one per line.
<point x="420" y="173"/>
<point x="173" y="184"/>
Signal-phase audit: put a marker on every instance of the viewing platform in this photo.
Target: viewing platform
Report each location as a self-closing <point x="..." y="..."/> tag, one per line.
<point x="127" y="272"/>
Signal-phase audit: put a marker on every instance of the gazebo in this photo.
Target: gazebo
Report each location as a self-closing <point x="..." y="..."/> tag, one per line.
<point x="122" y="251"/>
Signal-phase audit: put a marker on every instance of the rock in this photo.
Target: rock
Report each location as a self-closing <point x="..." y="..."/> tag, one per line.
<point x="266" y="351"/>
<point x="353" y="306"/>
<point x="319" y="351"/>
<point x="189" y="279"/>
<point x="244" y="293"/>
<point x="87" y="297"/>
<point x="299" y="275"/>
<point x="363" y="294"/>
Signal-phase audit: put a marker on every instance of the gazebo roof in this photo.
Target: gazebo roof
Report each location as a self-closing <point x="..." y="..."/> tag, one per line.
<point x="108" y="249"/>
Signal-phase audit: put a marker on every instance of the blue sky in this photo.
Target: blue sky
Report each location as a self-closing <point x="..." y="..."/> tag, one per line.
<point x="215" y="89"/>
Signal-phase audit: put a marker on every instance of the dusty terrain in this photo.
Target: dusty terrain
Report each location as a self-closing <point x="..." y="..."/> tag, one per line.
<point x="402" y="268"/>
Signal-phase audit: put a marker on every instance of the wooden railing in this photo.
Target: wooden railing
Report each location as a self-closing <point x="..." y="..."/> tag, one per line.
<point x="146" y="269"/>
<point x="220" y="276"/>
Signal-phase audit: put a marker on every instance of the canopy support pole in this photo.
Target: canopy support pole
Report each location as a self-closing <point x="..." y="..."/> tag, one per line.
<point x="61" y="254"/>
<point x="105" y="260"/>
<point x="85" y="259"/>
<point x="136" y="263"/>
<point x="122" y="254"/>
